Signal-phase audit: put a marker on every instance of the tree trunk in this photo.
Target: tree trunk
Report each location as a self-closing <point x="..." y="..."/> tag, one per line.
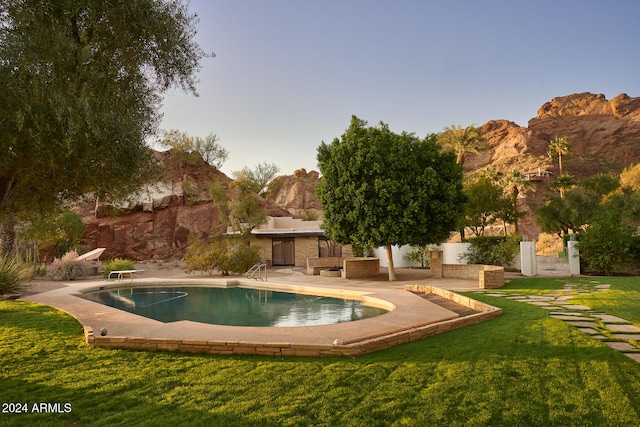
<point x="392" y="270"/>
<point x="7" y="235"/>
<point x="560" y="163"/>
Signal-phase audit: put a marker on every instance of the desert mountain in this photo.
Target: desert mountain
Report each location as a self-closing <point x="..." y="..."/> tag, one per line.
<point x="604" y="136"/>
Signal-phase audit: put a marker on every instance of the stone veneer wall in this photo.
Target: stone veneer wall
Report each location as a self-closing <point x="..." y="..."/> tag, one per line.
<point x="314" y="265"/>
<point x="265" y="249"/>
<point x="360" y="268"/>
<point x="350" y="349"/>
<point x="305" y="247"/>
<point x="488" y="276"/>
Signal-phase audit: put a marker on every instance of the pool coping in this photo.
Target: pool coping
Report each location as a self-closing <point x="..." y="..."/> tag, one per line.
<point x="413" y="318"/>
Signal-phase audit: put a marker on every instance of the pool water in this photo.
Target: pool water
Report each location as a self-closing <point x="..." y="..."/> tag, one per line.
<point x="233" y="306"/>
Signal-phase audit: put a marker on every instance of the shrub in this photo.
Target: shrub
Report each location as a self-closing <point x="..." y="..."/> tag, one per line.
<point x="198" y="257"/>
<point x="13" y="274"/>
<point x="244" y="257"/>
<point x="308" y="215"/>
<point x="117" y="264"/>
<point x="607" y="244"/>
<point x="419" y="255"/>
<point x="67" y="267"/>
<point x="493" y="250"/>
<point x="222" y="254"/>
<point x="361" y="250"/>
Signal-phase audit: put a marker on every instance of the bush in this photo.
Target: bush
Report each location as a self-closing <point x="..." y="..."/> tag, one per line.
<point x="198" y="257"/>
<point x="607" y="244"/>
<point x="68" y="267"/>
<point x="244" y="257"/>
<point x="418" y="255"/>
<point x="222" y="254"/>
<point x="117" y="264"/>
<point x="493" y="250"/>
<point x="13" y="274"/>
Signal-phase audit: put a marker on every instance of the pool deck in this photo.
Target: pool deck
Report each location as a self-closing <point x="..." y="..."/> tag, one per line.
<point x="412" y="318"/>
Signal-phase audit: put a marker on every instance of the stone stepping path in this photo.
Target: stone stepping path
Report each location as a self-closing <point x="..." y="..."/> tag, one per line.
<point x="614" y="331"/>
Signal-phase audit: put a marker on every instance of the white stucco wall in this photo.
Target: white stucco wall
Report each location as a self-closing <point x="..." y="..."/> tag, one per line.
<point x="453" y="252"/>
<point x="398" y="257"/>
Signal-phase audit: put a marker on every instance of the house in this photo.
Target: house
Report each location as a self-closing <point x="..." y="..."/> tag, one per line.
<point x="286" y="241"/>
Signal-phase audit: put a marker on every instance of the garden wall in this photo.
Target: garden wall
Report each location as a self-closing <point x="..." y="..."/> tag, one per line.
<point x="488" y="276"/>
<point x="360" y="268"/>
<point x="315" y="265"/>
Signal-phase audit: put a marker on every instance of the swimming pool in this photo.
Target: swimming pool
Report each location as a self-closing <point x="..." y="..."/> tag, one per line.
<point x="233" y="306"/>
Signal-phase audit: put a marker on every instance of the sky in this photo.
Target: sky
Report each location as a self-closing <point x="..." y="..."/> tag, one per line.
<point x="289" y="74"/>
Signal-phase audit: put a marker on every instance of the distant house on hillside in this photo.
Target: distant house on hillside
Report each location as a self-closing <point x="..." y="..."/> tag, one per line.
<point x="539" y="175"/>
<point x="285" y="241"/>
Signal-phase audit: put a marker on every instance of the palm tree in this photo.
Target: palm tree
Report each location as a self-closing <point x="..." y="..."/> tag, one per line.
<point x="558" y="147"/>
<point x="563" y="183"/>
<point x="462" y="141"/>
<point x="514" y="184"/>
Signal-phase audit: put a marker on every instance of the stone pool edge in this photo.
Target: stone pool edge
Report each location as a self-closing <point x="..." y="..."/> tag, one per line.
<point x="350" y="349"/>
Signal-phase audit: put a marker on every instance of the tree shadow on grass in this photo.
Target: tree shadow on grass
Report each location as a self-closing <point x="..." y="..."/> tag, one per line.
<point x="47" y="405"/>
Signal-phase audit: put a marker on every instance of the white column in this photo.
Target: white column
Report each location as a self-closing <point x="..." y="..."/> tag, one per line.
<point x="574" y="258"/>
<point x="528" y="259"/>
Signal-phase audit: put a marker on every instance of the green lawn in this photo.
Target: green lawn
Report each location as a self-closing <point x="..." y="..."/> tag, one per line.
<point x="522" y="368"/>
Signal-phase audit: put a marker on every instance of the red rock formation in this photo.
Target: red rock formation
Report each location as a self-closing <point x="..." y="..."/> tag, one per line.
<point x="297" y="193"/>
<point x="157" y="223"/>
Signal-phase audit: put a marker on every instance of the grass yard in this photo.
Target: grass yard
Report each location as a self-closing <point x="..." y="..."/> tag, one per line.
<point x="520" y="369"/>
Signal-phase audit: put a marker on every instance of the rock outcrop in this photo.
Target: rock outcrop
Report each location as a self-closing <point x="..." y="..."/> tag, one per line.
<point x="157" y="222"/>
<point x="604" y="137"/>
<point x="297" y="193"/>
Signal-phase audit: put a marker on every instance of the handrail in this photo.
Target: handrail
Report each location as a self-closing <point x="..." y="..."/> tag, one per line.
<point x="257" y="268"/>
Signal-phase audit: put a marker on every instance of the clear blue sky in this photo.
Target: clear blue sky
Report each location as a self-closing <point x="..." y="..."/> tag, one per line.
<point x="289" y="74"/>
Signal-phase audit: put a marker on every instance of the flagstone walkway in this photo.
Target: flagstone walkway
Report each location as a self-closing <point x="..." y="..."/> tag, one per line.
<point x="616" y="332"/>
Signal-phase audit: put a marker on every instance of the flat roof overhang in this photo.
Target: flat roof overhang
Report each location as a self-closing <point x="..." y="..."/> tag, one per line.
<point x="289" y="234"/>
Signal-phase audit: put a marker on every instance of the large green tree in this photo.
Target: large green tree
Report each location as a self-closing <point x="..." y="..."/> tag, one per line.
<point x="81" y="84"/>
<point x="514" y="183"/>
<point x="379" y="188"/>
<point x="575" y="210"/>
<point x="486" y="203"/>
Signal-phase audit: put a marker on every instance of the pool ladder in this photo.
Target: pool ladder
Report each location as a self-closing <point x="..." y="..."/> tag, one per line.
<point x="258" y="269"/>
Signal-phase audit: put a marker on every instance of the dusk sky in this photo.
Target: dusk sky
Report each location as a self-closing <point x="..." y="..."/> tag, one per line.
<point x="288" y="74"/>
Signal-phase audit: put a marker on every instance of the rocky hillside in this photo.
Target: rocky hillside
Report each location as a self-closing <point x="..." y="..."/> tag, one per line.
<point x="604" y="136"/>
<point x="158" y="221"/>
<point x="297" y="193"/>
